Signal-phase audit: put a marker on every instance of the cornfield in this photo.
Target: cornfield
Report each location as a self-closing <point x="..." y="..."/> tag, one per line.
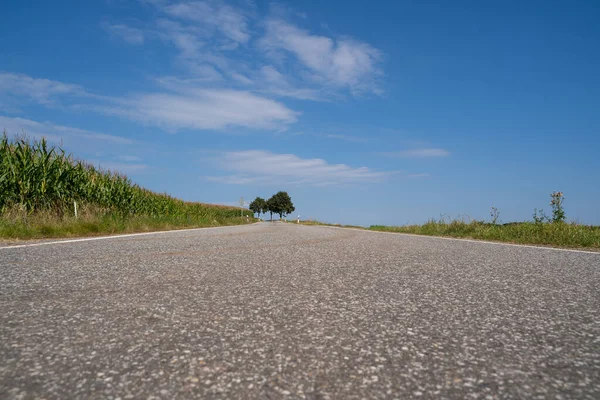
<point x="37" y="177"/>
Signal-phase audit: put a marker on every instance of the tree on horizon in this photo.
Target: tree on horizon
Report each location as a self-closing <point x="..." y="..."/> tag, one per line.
<point x="258" y="206"/>
<point x="280" y="203"/>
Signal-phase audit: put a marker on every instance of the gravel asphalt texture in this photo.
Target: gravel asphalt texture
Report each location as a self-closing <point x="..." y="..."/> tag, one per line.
<point x="275" y="310"/>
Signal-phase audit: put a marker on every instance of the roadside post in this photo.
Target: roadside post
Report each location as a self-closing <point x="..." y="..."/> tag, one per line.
<point x="298" y="220"/>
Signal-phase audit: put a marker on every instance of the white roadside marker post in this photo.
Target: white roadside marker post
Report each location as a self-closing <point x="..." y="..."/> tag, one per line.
<point x="298" y="219"/>
<point x="75" y="206"/>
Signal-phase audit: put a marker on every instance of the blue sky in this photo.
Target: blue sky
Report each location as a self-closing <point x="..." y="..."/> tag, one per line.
<point x="365" y="112"/>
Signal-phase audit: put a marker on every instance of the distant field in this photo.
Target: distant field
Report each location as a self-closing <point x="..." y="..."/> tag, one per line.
<point x="40" y="185"/>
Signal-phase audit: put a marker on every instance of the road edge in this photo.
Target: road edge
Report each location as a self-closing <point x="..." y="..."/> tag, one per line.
<point x="118" y="236"/>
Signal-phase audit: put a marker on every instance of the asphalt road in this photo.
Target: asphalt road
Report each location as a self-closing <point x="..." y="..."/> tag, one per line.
<point x="280" y="310"/>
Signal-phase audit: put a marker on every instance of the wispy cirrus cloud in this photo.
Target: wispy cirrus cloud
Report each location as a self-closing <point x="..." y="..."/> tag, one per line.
<point x="227" y="77"/>
<point x="347" y="138"/>
<point x="275" y="83"/>
<point x="122" y="167"/>
<point x="57" y="133"/>
<point x="129" y="34"/>
<point x="212" y="16"/>
<point x="38" y="90"/>
<point x="237" y="46"/>
<point x="419" y="153"/>
<point x="191" y="52"/>
<point x="129" y="158"/>
<point x="343" y="62"/>
<point x="180" y="105"/>
<point x="264" y="167"/>
<point x="418" y="175"/>
<point x="203" y="109"/>
<point x="204" y="33"/>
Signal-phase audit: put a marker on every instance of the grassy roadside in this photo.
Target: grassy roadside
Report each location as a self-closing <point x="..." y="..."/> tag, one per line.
<point x="568" y="235"/>
<point x="44" y="226"/>
<point x="563" y="235"/>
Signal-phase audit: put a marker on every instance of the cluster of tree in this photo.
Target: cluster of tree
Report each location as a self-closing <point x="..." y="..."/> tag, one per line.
<point x="280" y="203"/>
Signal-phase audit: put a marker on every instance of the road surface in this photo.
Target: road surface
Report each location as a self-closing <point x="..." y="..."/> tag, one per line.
<point x="276" y="310"/>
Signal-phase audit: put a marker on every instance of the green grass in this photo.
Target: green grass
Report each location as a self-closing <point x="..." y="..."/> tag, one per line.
<point x="39" y="185"/>
<point x="568" y="235"/>
<point x="564" y="235"/>
<point x="44" y="226"/>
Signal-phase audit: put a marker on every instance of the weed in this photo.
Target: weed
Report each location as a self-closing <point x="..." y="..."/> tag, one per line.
<point x="558" y="211"/>
<point x="495" y="214"/>
<point x="539" y="217"/>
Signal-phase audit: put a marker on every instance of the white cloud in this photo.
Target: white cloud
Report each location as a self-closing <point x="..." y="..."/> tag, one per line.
<point x="204" y="109"/>
<point x="204" y="72"/>
<point x="264" y="167"/>
<point x="176" y="84"/>
<point x="124" y="168"/>
<point x="182" y="105"/>
<point x="420" y="153"/>
<point x="196" y="53"/>
<point x="128" y="34"/>
<point x="225" y="81"/>
<point x="346" y="138"/>
<point x="56" y="133"/>
<point x="343" y="62"/>
<point x="205" y="33"/>
<point x="271" y="75"/>
<point x="228" y="21"/>
<point x="275" y="83"/>
<point x="184" y="38"/>
<point x="216" y="34"/>
<point x="129" y="158"/>
<point x="420" y="175"/>
<point x="42" y="91"/>
<point x="241" y="78"/>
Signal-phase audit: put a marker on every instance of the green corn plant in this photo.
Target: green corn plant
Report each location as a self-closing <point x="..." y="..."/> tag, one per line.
<point x="38" y="177"/>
